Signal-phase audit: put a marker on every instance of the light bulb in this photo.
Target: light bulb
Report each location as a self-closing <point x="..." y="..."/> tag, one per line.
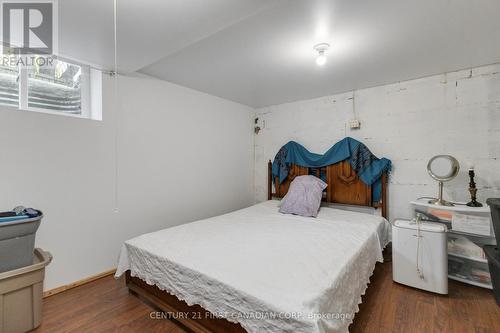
<point x="321" y="49"/>
<point x="321" y="59"/>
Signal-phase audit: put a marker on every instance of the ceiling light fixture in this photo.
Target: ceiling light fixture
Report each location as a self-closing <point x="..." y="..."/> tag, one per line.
<point x="321" y="49"/>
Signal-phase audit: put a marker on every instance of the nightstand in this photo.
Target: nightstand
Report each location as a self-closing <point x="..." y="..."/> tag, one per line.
<point x="469" y="228"/>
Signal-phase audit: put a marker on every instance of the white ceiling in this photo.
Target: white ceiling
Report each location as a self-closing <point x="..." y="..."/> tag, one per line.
<point x="151" y="30"/>
<point x="260" y="52"/>
<point x="90" y="43"/>
<point x="147" y="30"/>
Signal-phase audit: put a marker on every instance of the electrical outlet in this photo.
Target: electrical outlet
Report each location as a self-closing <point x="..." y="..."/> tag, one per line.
<point x="354" y="124"/>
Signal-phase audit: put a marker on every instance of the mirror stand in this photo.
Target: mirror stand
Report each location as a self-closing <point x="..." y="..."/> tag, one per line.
<point x="439" y="201"/>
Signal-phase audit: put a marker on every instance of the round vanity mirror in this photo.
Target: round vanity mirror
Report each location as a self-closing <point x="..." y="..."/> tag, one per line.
<point x="442" y="168"/>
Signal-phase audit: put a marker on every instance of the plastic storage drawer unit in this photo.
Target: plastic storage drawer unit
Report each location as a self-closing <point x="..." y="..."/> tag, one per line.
<point x="419" y="259"/>
<point x="17" y="241"/>
<point x="21" y="295"/>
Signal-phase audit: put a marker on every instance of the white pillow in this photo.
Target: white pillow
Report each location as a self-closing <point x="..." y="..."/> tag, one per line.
<point x="303" y="197"/>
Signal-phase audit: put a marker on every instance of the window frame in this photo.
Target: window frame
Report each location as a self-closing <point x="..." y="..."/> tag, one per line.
<point x="88" y="78"/>
<point x="11" y="106"/>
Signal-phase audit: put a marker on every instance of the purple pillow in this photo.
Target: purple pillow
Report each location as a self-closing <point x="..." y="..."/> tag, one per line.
<point x="303" y="197"/>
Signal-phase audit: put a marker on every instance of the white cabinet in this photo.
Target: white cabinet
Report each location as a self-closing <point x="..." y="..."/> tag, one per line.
<point x="469" y="228"/>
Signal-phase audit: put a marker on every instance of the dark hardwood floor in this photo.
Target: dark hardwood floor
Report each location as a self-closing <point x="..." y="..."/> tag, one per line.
<point x="390" y="307"/>
<point x="106" y="306"/>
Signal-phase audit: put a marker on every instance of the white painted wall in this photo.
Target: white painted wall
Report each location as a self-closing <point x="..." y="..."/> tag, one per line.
<point x="183" y="155"/>
<point x="407" y="122"/>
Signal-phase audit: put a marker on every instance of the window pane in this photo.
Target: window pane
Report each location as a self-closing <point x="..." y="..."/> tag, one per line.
<point x="9" y="85"/>
<point x="55" y="87"/>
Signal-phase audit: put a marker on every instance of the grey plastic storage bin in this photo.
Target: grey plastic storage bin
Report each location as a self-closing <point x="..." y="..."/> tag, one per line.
<point x="21" y="295"/>
<point x="17" y="241"/>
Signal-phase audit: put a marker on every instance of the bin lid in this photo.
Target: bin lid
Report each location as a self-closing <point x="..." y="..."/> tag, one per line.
<point x="424" y="226"/>
<point x="41" y="259"/>
<point x="7" y="221"/>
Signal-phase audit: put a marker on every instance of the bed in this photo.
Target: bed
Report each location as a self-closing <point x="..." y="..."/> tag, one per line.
<point x="256" y="270"/>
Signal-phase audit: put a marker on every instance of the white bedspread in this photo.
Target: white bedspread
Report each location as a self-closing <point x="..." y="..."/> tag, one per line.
<point x="268" y="271"/>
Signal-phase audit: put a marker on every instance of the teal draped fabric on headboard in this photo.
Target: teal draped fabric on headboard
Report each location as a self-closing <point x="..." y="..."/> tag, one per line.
<point x="367" y="166"/>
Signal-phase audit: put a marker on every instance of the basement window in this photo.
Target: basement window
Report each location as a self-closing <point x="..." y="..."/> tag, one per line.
<point x="9" y="85"/>
<point x="60" y="87"/>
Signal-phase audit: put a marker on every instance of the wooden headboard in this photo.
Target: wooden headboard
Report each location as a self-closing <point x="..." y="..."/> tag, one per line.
<point x="344" y="186"/>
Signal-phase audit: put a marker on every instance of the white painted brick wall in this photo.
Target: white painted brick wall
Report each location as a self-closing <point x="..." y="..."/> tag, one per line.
<point x="409" y="122"/>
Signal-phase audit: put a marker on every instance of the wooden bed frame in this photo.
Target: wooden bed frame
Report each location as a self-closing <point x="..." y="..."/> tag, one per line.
<point x="344" y="187"/>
